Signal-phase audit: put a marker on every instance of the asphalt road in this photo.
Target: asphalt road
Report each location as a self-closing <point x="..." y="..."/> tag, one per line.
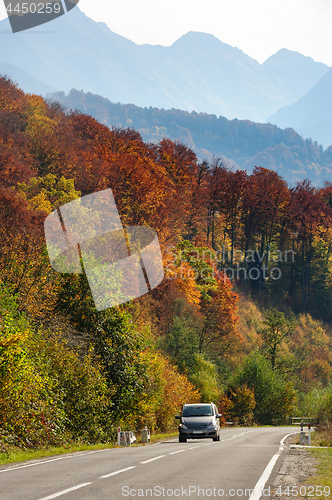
<point x="230" y="469"/>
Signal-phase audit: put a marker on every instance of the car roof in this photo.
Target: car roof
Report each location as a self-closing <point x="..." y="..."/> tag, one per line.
<point x="198" y="404"/>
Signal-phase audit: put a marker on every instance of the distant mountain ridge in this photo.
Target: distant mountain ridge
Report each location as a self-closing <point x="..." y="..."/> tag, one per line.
<point x="198" y="72"/>
<point x="311" y="115"/>
<point x="27" y="82"/>
<point x="295" y="71"/>
<point x="241" y="143"/>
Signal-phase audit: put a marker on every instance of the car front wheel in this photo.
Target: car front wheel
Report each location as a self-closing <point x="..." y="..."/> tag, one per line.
<point x="217" y="438"/>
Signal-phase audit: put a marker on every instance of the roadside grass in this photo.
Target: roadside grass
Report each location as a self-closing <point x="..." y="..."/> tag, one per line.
<point x="17" y="454"/>
<point x="322" y="437"/>
<point x="161" y="437"/>
<point x="324" y="469"/>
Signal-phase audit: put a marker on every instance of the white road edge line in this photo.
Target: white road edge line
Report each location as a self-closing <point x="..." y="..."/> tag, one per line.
<point x="63" y="492"/>
<point x="173" y="452"/>
<point x="259" y="487"/>
<point x="63" y="457"/>
<point x="151" y="459"/>
<point x="35" y="463"/>
<point x="117" y="472"/>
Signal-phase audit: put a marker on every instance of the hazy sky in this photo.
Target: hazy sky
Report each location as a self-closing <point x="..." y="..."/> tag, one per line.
<point x="258" y="27"/>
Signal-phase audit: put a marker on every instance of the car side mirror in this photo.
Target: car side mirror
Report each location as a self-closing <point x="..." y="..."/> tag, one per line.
<point x="177" y="417"/>
<point x="218" y="416"/>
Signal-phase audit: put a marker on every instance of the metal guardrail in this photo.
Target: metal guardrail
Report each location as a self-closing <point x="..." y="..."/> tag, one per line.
<point x="305" y="437"/>
<point x="304" y="420"/>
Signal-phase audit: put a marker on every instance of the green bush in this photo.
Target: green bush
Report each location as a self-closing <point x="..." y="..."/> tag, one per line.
<point x="317" y="403"/>
<point x="242" y="405"/>
<point x="30" y="410"/>
<point x="80" y="386"/>
<point x="204" y="378"/>
<point x="49" y="392"/>
<point x="274" y="396"/>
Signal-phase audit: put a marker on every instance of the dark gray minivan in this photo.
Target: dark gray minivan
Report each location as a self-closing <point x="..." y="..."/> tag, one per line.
<point x="200" y="420"/>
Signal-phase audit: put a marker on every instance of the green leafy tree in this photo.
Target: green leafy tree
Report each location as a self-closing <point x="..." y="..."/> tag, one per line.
<point x="205" y="378"/>
<point x="274" y="396"/>
<point x="31" y="411"/>
<point x="276" y="331"/>
<point x="118" y="345"/>
<point x="47" y="193"/>
<point x="181" y="341"/>
<point x="242" y="405"/>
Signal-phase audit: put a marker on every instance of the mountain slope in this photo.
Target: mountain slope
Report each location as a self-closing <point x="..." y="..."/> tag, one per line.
<point x="198" y="72"/>
<point x="311" y="116"/>
<point x="241" y="142"/>
<point x="25" y="81"/>
<point x="296" y="72"/>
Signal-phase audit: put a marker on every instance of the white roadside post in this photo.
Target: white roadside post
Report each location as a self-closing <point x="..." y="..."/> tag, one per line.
<point x="309" y="434"/>
<point x="145" y="435"/>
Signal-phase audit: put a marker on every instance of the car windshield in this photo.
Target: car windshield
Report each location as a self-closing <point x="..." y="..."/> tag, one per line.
<point x="197" y="411"/>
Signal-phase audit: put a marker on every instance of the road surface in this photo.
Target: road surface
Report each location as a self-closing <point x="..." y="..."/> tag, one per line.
<point x="229" y="469"/>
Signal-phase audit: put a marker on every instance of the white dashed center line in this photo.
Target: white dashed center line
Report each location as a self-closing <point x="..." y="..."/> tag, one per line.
<point x="117" y="472"/>
<point x="151" y="459"/>
<point x="63" y="492"/>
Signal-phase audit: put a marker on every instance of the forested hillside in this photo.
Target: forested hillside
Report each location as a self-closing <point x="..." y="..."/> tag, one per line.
<point x="246" y="143"/>
<point x="238" y="318"/>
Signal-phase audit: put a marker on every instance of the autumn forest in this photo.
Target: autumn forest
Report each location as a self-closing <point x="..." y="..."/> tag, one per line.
<point x="242" y="318"/>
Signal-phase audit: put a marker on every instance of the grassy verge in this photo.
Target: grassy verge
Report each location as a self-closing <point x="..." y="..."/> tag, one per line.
<point x="324" y="469"/>
<point x="161" y="437"/>
<point x="20" y="455"/>
<point x="322" y="437"/>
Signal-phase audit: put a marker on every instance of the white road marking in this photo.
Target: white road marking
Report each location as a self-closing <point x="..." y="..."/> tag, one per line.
<point x="34" y="464"/>
<point x="151" y="459"/>
<point x="173" y="452"/>
<point x="236" y="436"/>
<point x="193" y="447"/>
<point x="63" y="457"/>
<point x="117" y="472"/>
<point x="63" y="492"/>
<point x="259" y="487"/>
